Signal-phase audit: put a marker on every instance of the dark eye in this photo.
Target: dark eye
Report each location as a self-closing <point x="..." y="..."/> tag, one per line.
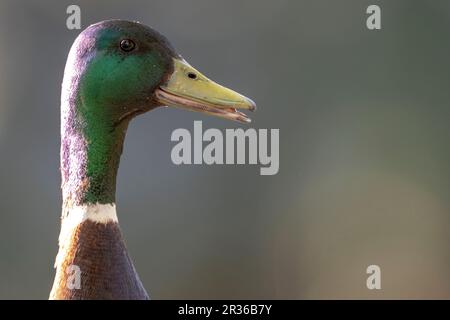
<point x="192" y="75"/>
<point x="127" y="45"/>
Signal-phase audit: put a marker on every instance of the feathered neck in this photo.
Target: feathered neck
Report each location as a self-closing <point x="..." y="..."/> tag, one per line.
<point x="90" y="242"/>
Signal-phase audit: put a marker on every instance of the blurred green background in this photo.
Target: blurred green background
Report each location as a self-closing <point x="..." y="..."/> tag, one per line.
<point x="364" y="151"/>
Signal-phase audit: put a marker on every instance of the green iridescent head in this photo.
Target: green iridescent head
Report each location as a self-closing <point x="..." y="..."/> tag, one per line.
<point x="116" y="70"/>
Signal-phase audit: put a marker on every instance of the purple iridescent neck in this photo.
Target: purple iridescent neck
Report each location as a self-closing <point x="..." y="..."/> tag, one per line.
<point x="91" y="143"/>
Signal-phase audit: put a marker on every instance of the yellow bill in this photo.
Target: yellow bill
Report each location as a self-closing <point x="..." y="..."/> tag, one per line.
<point x="188" y="89"/>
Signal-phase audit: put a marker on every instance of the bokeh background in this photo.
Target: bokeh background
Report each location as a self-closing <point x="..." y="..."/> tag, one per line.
<point x="364" y="151"/>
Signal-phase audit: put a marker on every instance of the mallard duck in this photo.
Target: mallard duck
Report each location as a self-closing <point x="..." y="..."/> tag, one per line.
<point x="115" y="70"/>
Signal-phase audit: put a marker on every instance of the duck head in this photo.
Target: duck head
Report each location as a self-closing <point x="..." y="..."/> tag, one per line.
<point x="128" y="68"/>
<point x="115" y="70"/>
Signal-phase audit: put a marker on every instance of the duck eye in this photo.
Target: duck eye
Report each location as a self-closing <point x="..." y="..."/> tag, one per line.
<point x="192" y="75"/>
<point x="127" y="45"/>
